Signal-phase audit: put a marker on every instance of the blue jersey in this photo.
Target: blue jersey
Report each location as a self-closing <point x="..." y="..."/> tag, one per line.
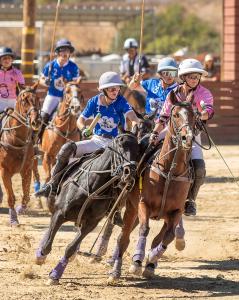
<point x="156" y="94"/>
<point x="58" y="75"/>
<point x="111" y="115"/>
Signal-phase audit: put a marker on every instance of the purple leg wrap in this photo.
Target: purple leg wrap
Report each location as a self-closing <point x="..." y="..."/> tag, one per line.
<point x="57" y="272"/>
<point x="140" y="249"/>
<point x="39" y="253"/>
<point x="102" y="246"/>
<point x="179" y="230"/>
<point x="116" y="272"/>
<point x="156" y="253"/>
<point x="21" y="209"/>
<point x="13" y="217"/>
<point x="115" y="254"/>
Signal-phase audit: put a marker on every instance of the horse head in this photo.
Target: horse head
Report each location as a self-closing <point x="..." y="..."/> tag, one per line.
<point x="28" y="106"/>
<point x="182" y="124"/>
<point x="73" y="97"/>
<point x="126" y="156"/>
<point x="146" y="123"/>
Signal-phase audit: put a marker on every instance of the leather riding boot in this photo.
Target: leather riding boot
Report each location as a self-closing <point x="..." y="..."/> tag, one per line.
<point x="199" y="173"/>
<point x="45" y="119"/>
<point x="66" y="151"/>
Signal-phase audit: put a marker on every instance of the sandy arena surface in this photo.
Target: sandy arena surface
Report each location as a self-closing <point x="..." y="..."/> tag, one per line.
<point x="207" y="268"/>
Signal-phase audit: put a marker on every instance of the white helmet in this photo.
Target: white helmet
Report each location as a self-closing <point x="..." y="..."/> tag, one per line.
<point x="109" y="79"/>
<point x="191" y="65"/>
<point x="130" y="43"/>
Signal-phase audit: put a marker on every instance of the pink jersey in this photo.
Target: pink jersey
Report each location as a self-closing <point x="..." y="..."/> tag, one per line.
<point x="8" y="83"/>
<point x="200" y="94"/>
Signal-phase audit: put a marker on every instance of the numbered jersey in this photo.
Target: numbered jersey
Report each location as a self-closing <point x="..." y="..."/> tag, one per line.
<point x="111" y="115"/>
<point x="59" y="75"/>
<point x="156" y="94"/>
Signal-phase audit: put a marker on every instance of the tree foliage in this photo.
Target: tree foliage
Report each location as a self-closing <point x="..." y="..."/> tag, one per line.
<point x="171" y="30"/>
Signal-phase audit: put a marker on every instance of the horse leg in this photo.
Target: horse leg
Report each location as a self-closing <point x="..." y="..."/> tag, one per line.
<point x="45" y="246"/>
<point x="138" y="257"/>
<point x="7" y="181"/>
<point x="156" y="253"/>
<point x="26" y="182"/>
<point x="103" y="242"/>
<point x="179" y="236"/>
<point x="46" y="163"/>
<point x="129" y="221"/>
<point x="87" y="226"/>
<point x="1" y="195"/>
<point x="36" y="175"/>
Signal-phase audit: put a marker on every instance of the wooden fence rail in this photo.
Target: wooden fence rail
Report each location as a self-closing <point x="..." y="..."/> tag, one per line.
<point x="223" y="128"/>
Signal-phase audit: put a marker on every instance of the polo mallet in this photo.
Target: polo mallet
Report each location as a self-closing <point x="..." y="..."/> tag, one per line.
<point x="141" y="35"/>
<point x="203" y="106"/>
<point x="93" y="124"/>
<point x="54" y="35"/>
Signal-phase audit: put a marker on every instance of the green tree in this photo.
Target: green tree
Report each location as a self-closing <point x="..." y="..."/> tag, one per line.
<point x="170" y="30"/>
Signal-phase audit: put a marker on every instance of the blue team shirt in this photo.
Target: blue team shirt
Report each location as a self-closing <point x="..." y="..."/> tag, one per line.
<point x="111" y="115"/>
<point x="156" y="94"/>
<point x="68" y="72"/>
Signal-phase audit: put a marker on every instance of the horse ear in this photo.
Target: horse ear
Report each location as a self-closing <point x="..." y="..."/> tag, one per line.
<point x="138" y="114"/>
<point x="35" y="85"/>
<point x="153" y="115"/>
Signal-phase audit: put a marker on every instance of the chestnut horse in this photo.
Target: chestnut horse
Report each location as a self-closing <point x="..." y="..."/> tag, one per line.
<point x="162" y="194"/>
<point x="16" y="146"/>
<point x="63" y="127"/>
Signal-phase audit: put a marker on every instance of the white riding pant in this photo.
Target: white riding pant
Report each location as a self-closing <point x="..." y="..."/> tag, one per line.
<point x="196" y="149"/>
<point x="5" y="103"/>
<point x="88" y="146"/>
<point x="50" y="104"/>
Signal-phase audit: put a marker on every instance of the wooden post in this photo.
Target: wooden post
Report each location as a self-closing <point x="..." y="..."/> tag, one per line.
<point x="28" y="40"/>
<point x="230" y="59"/>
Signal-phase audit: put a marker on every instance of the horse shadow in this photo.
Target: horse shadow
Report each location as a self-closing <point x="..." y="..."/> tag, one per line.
<point x="222" y="179"/>
<point x="216" y="286"/>
<point x="220" y="265"/>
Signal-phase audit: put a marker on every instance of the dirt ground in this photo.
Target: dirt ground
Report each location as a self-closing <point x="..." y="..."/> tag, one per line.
<point x="208" y="267"/>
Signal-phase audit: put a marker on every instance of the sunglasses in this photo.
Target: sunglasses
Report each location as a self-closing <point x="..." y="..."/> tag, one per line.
<point x="169" y="73"/>
<point x="113" y="89"/>
<point x="193" y="76"/>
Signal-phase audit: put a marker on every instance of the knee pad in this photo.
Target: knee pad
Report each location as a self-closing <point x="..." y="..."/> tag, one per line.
<point x="45" y="117"/>
<point x="199" y="168"/>
<point x="67" y="150"/>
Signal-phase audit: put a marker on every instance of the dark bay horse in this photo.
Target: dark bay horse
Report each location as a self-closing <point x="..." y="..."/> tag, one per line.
<point x="63" y="126"/>
<point x="16" y="146"/>
<point x="161" y="195"/>
<point x="93" y="187"/>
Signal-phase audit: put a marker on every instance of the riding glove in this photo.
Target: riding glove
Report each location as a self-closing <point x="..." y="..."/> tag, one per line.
<point x="86" y="132"/>
<point x="154" y="138"/>
<point x="47" y="81"/>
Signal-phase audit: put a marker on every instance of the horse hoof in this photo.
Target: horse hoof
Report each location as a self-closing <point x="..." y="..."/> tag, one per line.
<point x="148" y="272"/>
<point x="180" y="244"/>
<point x="51" y="281"/>
<point x="21" y="209"/>
<point x="112" y="280"/>
<point x="95" y="259"/>
<point x="136" y="269"/>
<point x="15" y="224"/>
<point x="40" y="260"/>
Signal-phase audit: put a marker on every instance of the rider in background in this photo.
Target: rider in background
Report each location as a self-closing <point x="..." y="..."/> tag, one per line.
<point x="113" y="108"/>
<point x="10" y="79"/>
<point x="157" y="88"/>
<point x="190" y="72"/>
<point x="211" y="68"/>
<point x="130" y="61"/>
<point x="55" y="75"/>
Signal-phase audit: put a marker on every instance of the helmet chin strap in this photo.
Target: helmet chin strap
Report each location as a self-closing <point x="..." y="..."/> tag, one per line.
<point x="107" y="96"/>
<point x="192" y="88"/>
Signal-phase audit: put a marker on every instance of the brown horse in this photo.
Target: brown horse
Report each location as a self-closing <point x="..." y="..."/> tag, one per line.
<point x="16" y="146"/>
<point x="163" y="193"/>
<point x="63" y="127"/>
